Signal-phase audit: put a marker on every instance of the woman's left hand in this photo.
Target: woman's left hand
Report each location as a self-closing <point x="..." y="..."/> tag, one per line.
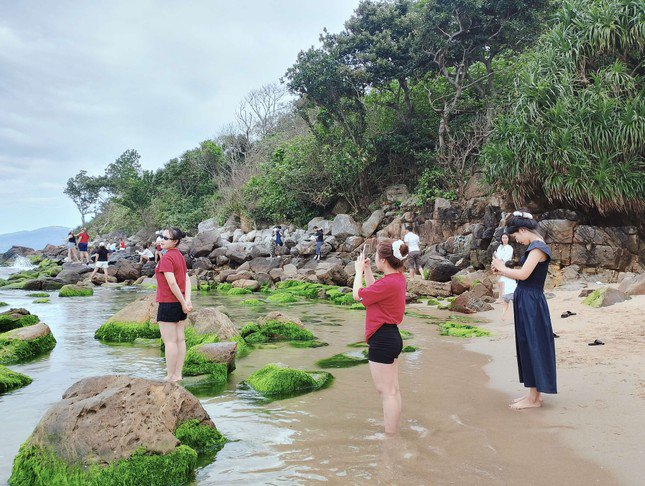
<point x="188" y="306"/>
<point x="497" y="265"/>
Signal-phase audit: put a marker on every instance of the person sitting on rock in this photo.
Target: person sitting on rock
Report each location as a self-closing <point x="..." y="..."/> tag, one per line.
<point x="100" y="257"/>
<point x="145" y="255"/>
<point x="112" y="247"/>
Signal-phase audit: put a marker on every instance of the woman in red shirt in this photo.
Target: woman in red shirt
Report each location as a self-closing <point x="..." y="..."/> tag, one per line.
<point x="384" y="300"/>
<point x="173" y="295"/>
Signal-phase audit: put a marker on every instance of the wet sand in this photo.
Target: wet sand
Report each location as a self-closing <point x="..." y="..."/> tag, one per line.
<point x="456" y="429"/>
<point x="600" y="406"/>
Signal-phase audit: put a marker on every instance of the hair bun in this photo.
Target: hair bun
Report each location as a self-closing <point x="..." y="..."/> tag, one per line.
<point x="404" y="250"/>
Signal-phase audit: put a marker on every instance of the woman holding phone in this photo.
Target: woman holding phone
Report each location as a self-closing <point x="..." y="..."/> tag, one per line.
<point x="384" y="300"/>
<point x="173" y="296"/>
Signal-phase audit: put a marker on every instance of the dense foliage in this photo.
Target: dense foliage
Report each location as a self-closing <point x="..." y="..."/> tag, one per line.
<point x="412" y="91"/>
<point x="576" y="129"/>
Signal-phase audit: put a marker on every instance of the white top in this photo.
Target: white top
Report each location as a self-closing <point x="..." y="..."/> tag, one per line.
<point x="504" y="253"/>
<point x="509" y="285"/>
<point x="412" y="241"/>
<point x="146" y="253"/>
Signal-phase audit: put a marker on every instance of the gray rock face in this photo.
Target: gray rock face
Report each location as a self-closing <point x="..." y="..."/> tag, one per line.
<point x="440" y="270"/>
<point x="223" y="353"/>
<point x="263" y="265"/>
<point x="371" y="224"/>
<point x="558" y="230"/>
<point x="73" y="272"/>
<point x="238" y="252"/>
<point x="321" y="223"/>
<point x="125" y="270"/>
<point x="205" y="242"/>
<point x="201" y="263"/>
<point x="133" y="412"/>
<point x="634" y="285"/>
<point x="209" y="224"/>
<point x="344" y="226"/>
<point x="469" y="303"/>
<point x="427" y="288"/>
<point x="212" y="320"/>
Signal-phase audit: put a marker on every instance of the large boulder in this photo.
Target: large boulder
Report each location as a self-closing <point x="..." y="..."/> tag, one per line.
<point x="16" y="318"/>
<point x="250" y="284"/>
<point x="428" y="288"/>
<point x="133" y="415"/>
<point x="263" y="265"/>
<point x="125" y="269"/>
<point x="331" y="273"/>
<point x="205" y="242"/>
<point x="212" y="320"/>
<point x="558" y="230"/>
<point x="463" y="281"/>
<point x="206" y="225"/>
<point x="469" y="303"/>
<point x="634" y="285"/>
<point x="440" y="270"/>
<point x="280" y="317"/>
<point x="277" y="381"/>
<point x="73" y="272"/>
<point x="136" y="320"/>
<point x="392" y="230"/>
<point x="323" y="223"/>
<point x="238" y="252"/>
<point x="371" y="224"/>
<point x="222" y="353"/>
<point x="344" y="226"/>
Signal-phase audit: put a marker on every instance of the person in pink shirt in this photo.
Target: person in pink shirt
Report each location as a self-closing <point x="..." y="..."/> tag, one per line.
<point x="384" y="300"/>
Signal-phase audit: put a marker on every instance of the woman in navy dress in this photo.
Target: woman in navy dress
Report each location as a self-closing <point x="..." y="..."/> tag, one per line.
<point x="533" y="333"/>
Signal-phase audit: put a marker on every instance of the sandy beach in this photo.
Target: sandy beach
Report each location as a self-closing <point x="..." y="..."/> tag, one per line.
<point x="600" y="406"/>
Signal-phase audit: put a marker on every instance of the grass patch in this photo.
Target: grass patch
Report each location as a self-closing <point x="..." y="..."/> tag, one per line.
<point x="10" y="380"/>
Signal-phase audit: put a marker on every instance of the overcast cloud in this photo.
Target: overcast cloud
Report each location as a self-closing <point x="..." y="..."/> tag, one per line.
<point x="80" y="82"/>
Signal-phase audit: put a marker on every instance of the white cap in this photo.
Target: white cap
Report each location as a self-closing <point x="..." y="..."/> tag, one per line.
<point x="102" y="243"/>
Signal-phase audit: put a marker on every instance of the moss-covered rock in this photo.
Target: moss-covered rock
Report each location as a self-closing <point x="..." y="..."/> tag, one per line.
<point x="196" y="364"/>
<point x="308" y="344"/>
<point x="243" y="348"/>
<point x="239" y="291"/>
<point x="272" y="331"/>
<point x="433" y="301"/>
<point x="409" y="349"/>
<point x="75" y="291"/>
<point x="282" y="298"/>
<point x="278" y="381"/>
<point x="126" y="332"/>
<point x="344" y="360"/>
<point x="604" y="297"/>
<point x="405" y="334"/>
<point x="201" y="438"/>
<point x="38" y="294"/>
<point x="252" y="302"/>
<point x="458" y="329"/>
<point x="224" y="287"/>
<point x="25" y="343"/>
<point x="10" y="380"/>
<point x="41" y="301"/>
<point x="15" y="318"/>
<point x="3" y="304"/>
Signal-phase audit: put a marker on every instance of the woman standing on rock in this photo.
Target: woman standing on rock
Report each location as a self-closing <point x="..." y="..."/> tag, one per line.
<point x="533" y="333"/>
<point x="173" y="295"/>
<point x="72" y="254"/>
<point x="385" y="303"/>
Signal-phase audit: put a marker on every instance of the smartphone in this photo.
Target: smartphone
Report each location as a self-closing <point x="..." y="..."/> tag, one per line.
<point x="367" y="250"/>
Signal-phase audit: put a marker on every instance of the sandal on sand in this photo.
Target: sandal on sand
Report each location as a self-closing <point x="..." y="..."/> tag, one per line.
<point x="566" y="314"/>
<point x="555" y="335"/>
<point x="597" y="342"/>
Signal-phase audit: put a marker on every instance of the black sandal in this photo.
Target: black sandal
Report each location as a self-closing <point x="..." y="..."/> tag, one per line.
<point x="566" y="314"/>
<point x="597" y="342"/>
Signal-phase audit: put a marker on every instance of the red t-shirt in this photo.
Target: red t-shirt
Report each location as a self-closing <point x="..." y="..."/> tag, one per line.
<point x="83" y="238"/>
<point x="172" y="261"/>
<point x="384" y="301"/>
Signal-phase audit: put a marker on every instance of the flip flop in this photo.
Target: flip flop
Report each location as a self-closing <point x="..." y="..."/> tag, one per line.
<point x="555" y="335"/>
<point x="566" y="314"/>
<point x="597" y="342"/>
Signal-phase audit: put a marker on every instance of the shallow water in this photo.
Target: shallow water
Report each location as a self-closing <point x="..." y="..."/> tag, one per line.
<point x="454" y="429"/>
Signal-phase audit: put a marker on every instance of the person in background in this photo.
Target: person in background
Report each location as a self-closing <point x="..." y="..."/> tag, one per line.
<point x="534" y="343"/>
<point x="414" y="257"/>
<point x="384" y="300"/>
<point x="145" y="255"/>
<point x="504" y="252"/>
<point x="320" y="239"/>
<point x="509" y="289"/>
<point x="276" y="240"/>
<point x="100" y="257"/>
<point x="112" y="247"/>
<point x="72" y="253"/>
<point x="122" y="245"/>
<point x="158" y="249"/>
<point x="173" y="296"/>
<point x="83" y="241"/>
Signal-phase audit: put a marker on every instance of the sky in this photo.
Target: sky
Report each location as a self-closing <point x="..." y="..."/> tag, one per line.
<point x="81" y="82"/>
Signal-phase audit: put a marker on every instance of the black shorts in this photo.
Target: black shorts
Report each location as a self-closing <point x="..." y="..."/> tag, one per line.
<point x="385" y="344"/>
<point x="170" y="312"/>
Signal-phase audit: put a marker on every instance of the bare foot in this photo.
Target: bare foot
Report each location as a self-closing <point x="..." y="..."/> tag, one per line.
<point x="526" y="403"/>
<point x="525" y="397"/>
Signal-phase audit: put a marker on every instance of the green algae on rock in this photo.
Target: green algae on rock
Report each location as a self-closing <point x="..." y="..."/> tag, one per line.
<point x="25" y="343"/>
<point x="10" y="380"/>
<point x="457" y="329"/>
<point x="252" y="302"/>
<point x="3" y="304"/>
<point x="409" y="349"/>
<point x="282" y="298"/>
<point x="38" y="294"/>
<point x="273" y="330"/>
<point x="239" y="291"/>
<point x="201" y="438"/>
<point x="75" y="291"/>
<point x="278" y="381"/>
<point x="16" y="318"/>
<point x="126" y="332"/>
<point x="344" y="360"/>
<point x="41" y="301"/>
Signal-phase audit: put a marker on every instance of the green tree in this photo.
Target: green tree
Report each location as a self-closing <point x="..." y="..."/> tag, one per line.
<point x="575" y="131"/>
<point x="85" y="193"/>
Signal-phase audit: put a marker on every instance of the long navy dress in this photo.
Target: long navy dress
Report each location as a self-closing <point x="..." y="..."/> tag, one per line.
<point x="533" y="331"/>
